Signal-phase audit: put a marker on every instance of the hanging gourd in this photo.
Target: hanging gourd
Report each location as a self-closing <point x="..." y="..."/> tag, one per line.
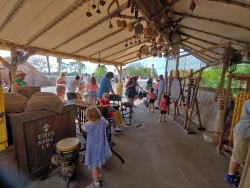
<point x="123" y="22"/>
<point x="128" y="4"/>
<point x="193" y="5"/>
<point x="88" y="14"/>
<point x="126" y="45"/>
<point x="93" y="6"/>
<point x="139" y="27"/>
<point x="160" y="40"/>
<point x="110" y="25"/>
<point x="136" y="11"/>
<point x="118" y="23"/>
<point x="132" y="6"/>
<point x="98" y="10"/>
<point x="102" y="2"/>
<point x="130" y="26"/>
<point x="139" y="41"/>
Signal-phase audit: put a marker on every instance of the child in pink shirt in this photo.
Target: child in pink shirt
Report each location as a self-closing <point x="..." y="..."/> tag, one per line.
<point x="163" y="107"/>
<point x="152" y="96"/>
<point x="92" y="90"/>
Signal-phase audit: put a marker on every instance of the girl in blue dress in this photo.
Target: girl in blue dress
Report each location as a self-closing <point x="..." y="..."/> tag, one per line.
<point x="97" y="149"/>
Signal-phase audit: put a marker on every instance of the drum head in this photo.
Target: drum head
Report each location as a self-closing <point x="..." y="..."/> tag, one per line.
<point x="138" y="29"/>
<point x="175" y="90"/>
<point x="175" y="37"/>
<point x="67" y="144"/>
<point x="83" y="128"/>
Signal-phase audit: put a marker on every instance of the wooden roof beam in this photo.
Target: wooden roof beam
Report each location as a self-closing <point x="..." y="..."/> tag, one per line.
<point x="202" y="53"/>
<point x="55" y="22"/>
<point x="111" y="46"/>
<point x="204" y="50"/>
<point x="126" y="55"/>
<point x="12" y="15"/>
<point x="48" y="52"/>
<point x="123" y="7"/>
<point x="232" y="3"/>
<point x="137" y="60"/>
<point x="101" y="39"/>
<point x="199" y="39"/>
<point x="212" y="20"/>
<point x="197" y="56"/>
<point x="215" y="35"/>
<point x="201" y="47"/>
<point x="122" y="50"/>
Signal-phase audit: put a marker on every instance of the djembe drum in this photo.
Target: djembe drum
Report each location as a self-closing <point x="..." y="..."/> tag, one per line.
<point x="67" y="157"/>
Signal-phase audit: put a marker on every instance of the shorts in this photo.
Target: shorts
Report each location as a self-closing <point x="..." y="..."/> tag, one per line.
<point x="92" y="94"/>
<point x="151" y="101"/>
<point x="163" y="112"/>
<point x="241" y="145"/>
<point x="130" y="100"/>
<point x="71" y="96"/>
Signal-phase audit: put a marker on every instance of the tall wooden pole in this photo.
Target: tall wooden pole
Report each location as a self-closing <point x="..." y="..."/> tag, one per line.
<point x="223" y="123"/>
<point x="13" y="75"/>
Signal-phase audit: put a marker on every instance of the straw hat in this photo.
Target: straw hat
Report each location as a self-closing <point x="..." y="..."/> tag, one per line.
<point x="20" y="72"/>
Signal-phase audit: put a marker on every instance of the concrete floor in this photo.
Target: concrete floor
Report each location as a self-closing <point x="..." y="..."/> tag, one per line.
<point x="157" y="155"/>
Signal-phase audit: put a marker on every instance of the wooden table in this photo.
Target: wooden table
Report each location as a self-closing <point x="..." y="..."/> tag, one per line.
<point x="81" y="107"/>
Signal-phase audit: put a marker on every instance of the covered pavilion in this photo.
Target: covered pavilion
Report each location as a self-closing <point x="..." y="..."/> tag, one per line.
<point x="74" y="29"/>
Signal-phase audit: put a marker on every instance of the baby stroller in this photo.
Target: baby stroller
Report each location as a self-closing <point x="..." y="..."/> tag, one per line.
<point x="143" y="94"/>
<point x="145" y="101"/>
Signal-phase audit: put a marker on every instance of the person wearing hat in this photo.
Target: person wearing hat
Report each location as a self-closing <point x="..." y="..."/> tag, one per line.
<point x="20" y="76"/>
<point x="130" y="90"/>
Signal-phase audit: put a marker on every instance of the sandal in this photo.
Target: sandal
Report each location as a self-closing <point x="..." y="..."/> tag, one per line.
<point x="92" y="185"/>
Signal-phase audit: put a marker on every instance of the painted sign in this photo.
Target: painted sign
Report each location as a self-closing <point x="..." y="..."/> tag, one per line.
<point x="45" y="138"/>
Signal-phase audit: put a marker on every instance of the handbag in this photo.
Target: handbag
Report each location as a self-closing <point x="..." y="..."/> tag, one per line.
<point x="126" y="92"/>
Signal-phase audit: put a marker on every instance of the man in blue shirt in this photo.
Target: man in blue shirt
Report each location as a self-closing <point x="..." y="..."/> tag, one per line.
<point x="105" y="85"/>
<point x="161" y="89"/>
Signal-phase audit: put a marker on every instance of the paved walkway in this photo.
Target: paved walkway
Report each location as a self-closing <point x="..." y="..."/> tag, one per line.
<point x="157" y="155"/>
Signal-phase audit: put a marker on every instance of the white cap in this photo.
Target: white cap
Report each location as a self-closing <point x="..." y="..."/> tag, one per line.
<point x="20" y="72"/>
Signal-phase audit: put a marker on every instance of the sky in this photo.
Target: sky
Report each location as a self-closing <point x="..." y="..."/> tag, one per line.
<point x="159" y="63"/>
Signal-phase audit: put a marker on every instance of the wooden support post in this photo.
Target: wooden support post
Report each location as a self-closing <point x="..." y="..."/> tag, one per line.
<point x="13" y="76"/>
<point x="223" y="123"/>
<point x="174" y="111"/>
<point x="166" y="75"/>
<point x="194" y="97"/>
<point x="186" y="110"/>
<point x="120" y="80"/>
<point x="198" y="113"/>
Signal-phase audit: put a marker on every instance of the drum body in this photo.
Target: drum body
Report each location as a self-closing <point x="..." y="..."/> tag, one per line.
<point x="68" y="150"/>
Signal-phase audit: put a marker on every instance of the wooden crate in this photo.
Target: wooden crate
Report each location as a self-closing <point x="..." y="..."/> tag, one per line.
<point x="28" y="91"/>
<point x="8" y="168"/>
<point x="34" y="133"/>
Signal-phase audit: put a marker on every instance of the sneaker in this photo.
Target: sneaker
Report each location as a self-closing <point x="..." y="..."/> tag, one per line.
<point x="153" y="111"/>
<point x="125" y="126"/>
<point x="164" y="121"/>
<point x="148" y="110"/>
<point x="117" y="129"/>
<point x="233" y="180"/>
<point x="135" y="106"/>
<point x="92" y="185"/>
<point x="159" y="120"/>
<point x="237" y="174"/>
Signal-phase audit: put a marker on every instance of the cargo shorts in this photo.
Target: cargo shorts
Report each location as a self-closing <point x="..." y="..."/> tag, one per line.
<point x="240" y="149"/>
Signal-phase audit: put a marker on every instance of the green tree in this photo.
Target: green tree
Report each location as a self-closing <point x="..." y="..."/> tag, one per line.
<point x="98" y="71"/>
<point x="139" y="70"/>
